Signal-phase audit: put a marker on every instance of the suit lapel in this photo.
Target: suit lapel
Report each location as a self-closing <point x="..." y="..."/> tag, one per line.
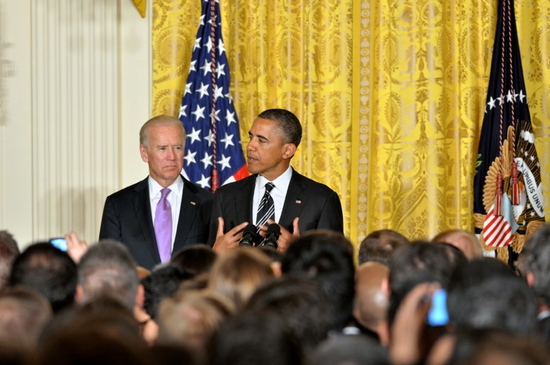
<point x="142" y="207"/>
<point x="190" y="204"/>
<point x="244" y="211"/>
<point x="295" y="200"/>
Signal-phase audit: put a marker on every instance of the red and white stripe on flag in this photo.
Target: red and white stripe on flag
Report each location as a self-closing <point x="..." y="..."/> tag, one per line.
<point x="497" y="231"/>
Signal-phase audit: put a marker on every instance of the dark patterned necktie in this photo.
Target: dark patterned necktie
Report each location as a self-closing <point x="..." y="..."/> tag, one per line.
<point x="266" y="209"/>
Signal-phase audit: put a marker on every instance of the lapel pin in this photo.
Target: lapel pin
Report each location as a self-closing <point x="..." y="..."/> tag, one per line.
<point x="298" y="201"/>
<point x="193" y="203"/>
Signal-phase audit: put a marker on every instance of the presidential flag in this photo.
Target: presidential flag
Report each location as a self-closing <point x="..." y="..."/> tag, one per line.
<point x="508" y="203"/>
<point x="213" y="152"/>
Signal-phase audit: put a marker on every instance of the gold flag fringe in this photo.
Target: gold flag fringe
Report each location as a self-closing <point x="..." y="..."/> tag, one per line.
<point x="141" y="6"/>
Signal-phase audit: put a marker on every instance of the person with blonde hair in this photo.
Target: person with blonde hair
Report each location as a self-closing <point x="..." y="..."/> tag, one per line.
<point x="465" y="241"/>
<point x="236" y="274"/>
<point x="190" y="318"/>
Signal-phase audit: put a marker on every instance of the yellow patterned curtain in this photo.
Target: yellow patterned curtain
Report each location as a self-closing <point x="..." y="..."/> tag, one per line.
<point x="391" y="94"/>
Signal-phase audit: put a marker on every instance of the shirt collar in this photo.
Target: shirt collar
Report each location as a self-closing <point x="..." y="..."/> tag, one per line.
<point x="281" y="182"/>
<point x="155" y="188"/>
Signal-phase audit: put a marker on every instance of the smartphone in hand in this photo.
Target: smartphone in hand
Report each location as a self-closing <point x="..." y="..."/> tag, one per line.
<point x="60" y="243"/>
<point x="438" y="315"/>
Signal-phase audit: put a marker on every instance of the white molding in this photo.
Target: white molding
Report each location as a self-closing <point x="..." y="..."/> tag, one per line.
<point x="80" y="91"/>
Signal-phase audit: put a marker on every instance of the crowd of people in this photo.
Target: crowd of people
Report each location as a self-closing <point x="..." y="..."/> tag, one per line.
<point x="320" y="302"/>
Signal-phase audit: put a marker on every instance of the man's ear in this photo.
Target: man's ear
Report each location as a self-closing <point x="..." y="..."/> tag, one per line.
<point x="289" y="150"/>
<point x="530" y="279"/>
<point x="385" y="286"/>
<point x="276" y="267"/>
<point x="79" y="294"/>
<point x="143" y="153"/>
<point x="140" y="296"/>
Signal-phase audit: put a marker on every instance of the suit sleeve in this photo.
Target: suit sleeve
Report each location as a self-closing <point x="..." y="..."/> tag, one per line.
<point x="331" y="216"/>
<point x="110" y="224"/>
<point x="216" y="212"/>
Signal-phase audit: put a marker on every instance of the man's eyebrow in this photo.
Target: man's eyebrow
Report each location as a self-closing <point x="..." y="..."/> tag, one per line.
<point x="260" y="136"/>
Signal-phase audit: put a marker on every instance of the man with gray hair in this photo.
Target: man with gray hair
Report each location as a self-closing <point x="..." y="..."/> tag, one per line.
<point x="107" y="269"/>
<point x="165" y="212"/>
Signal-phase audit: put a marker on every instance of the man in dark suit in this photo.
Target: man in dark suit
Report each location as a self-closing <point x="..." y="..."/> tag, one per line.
<point x="299" y="203"/>
<point x="129" y="214"/>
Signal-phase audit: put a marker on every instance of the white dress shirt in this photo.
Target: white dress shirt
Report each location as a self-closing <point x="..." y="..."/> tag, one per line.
<point x="278" y="193"/>
<point x="174" y="198"/>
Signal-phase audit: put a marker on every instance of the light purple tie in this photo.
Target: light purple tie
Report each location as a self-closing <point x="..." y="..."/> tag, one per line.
<point x="163" y="226"/>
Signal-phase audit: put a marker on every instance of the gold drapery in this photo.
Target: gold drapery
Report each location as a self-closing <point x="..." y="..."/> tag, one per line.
<point x="391" y="94"/>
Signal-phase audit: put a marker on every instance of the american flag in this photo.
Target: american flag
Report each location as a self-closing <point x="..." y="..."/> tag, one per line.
<point x="213" y="152"/>
<point x="507" y="187"/>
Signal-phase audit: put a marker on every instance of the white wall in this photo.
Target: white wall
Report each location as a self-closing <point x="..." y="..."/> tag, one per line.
<point x="75" y="89"/>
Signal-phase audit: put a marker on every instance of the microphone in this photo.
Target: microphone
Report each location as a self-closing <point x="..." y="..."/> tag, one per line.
<point x="272" y="235"/>
<point x="249" y="235"/>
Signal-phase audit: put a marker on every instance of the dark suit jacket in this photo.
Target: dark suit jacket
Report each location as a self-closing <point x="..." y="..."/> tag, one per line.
<point x="316" y="204"/>
<point x="127" y="218"/>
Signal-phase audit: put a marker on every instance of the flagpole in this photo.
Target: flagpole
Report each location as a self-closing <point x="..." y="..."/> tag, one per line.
<point x="213" y="121"/>
<point x="213" y="151"/>
<point x="507" y="184"/>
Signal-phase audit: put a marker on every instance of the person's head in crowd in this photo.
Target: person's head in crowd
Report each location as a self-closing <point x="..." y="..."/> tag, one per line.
<point x="442" y="350"/>
<point x="300" y="304"/>
<point x="492" y="346"/>
<point x="350" y="350"/>
<point x="465" y="241"/>
<point x="536" y="255"/>
<point x="465" y="345"/>
<point x="163" y="282"/>
<point x="190" y="318"/>
<point x="102" y="310"/>
<point x="196" y="259"/>
<point x="380" y="245"/>
<point x="236" y="274"/>
<point x="251" y="338"/>
<point x="327" y="258"/>
<point x="107" y="268"/>
<point x="198" y="282"/>
<point x="276" y="258"/>
<point x="24" y="312"/>
<point x="481" y="268"/>
<point x="102" y="331"/>
<point x="48" y="270"/>
<point x="171" y="355"/>
<point x="13" y="354"/>
<point x="486" y="293"/>
<point x="419" y="262"/>
<point x="521" y="264"/>
<point x="8" y="252"/>
<point x="456" y="257"/>
<point x="372" y="298"/>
